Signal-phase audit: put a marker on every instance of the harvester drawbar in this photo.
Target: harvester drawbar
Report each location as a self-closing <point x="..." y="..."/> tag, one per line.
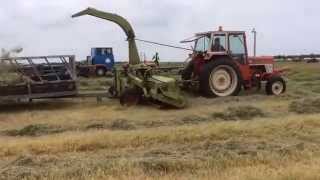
<point x="137" y="80"/>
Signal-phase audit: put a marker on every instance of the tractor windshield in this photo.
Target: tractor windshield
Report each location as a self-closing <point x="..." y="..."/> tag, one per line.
<point x="202" y="44"/>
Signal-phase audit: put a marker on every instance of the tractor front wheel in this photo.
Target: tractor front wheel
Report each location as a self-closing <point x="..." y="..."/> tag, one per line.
<point x="220" y="78"/>
<point x="275" y="86"/>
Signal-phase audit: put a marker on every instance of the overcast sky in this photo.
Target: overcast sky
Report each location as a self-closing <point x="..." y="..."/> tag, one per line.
<point x="44" y="27"/>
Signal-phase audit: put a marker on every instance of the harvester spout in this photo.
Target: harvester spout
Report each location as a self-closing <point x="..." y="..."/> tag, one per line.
<point x="123" y="23"/>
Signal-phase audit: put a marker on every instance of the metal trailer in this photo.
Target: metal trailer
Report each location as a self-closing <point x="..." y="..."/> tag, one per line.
<point x="42" y="77"/>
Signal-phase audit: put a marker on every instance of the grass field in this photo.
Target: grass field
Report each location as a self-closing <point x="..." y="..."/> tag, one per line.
<point x="252" y="136"/>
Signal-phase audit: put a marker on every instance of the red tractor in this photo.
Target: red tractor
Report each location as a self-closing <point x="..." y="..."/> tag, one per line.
<point x="221" y="65"/>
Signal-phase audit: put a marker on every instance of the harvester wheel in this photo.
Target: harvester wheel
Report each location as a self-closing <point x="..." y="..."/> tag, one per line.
<point x="220" y="77"/>
<point x="130" y="97"/>
<point x="276" y="86"/>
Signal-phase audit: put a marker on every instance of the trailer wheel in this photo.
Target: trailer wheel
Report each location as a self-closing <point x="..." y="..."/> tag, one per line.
<point x="276" y="86"/>
<point x="220" y="77"/>
<point x="130" y="97"/>
<point x="101" y="71"/>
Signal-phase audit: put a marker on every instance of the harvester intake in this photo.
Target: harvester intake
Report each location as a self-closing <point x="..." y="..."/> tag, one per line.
<point x="123" y="23"/>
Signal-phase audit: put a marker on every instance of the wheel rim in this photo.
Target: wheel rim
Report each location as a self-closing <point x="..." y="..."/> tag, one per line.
<point x="223" y="80"/>
<point x="277" y="88"/>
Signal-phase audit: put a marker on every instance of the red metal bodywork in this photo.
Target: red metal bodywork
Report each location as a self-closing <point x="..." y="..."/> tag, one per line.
<point x="261" y="60"/>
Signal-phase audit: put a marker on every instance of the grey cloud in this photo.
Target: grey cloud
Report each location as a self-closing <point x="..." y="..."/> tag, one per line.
<point x="45" y="27"/>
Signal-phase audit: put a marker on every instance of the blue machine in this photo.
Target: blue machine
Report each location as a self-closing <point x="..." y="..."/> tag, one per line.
<point x="102" y="60"/>
<point x="102" y="56"/>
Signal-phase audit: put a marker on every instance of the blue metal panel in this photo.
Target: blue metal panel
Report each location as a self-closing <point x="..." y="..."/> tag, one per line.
<point x="103" y="56"/>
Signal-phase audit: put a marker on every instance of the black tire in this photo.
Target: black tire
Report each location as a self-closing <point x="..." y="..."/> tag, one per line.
<point x="130" y="97"/>
<point x="100" y="72"/>
<point x="223" y="64"/>
<point x="112" y="92"/>
<point x="186" y="73"/>
<point x="276" y="86"/>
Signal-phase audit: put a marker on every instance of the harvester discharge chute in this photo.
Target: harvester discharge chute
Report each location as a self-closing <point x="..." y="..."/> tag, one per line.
<point x="137" y="80"/>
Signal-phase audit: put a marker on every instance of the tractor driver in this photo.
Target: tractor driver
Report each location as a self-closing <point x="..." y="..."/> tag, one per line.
<point x="217" y="47"/>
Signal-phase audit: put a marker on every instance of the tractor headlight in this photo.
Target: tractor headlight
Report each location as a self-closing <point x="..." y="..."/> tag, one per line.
<point x="269" y="68"/>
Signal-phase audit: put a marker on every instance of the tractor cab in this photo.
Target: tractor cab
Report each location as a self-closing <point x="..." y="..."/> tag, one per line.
<point x="229" y="43"/>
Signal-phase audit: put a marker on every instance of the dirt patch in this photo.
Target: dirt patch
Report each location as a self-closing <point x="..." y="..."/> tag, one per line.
<point x="34" y="130"/>
<point x="158" y="153"/>
<point x="164" y="165"/>
<point x="305" y="106"/>
<point x="27" y="167"/>
<point x="153" y="124"/>
<point x="96" y="126"/>
<point x="239" y="113"/>
<point x="24" y="161"/>
<point x="122" y="124"/>
<point x="193" y="119"/>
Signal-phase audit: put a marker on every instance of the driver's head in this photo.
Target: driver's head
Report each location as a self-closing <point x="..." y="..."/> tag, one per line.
<point x="217" y="41"/>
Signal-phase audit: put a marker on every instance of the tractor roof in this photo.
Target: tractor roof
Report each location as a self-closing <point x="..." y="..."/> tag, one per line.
<point x="219" y="32"/>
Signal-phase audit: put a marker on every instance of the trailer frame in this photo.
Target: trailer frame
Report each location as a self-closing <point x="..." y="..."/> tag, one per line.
<point x="42" y="77"/>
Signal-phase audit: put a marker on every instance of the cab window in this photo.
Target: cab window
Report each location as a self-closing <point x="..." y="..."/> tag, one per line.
<point x="202" y="44"/>
<point x="219" y="43"/>
<point x="99" y="51"/>
<point x="236" y="42"/>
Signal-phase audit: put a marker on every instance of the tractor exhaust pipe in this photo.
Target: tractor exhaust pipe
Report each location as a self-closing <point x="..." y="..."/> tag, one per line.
<point x="254" y="42"/>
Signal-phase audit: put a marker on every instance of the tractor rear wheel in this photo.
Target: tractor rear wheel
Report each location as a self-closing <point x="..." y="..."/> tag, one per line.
<point x="220" y="77"/>
<point x="130" y="97"/>
<point x="276" y="86"/>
